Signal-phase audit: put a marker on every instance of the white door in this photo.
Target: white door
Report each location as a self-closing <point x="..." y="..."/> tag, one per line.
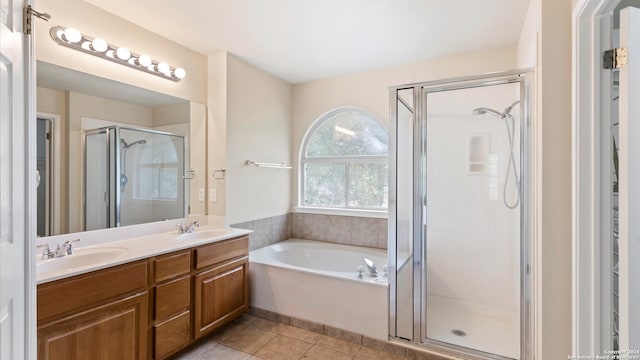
<point x="16" y="293"/>
<point x="629" y="182"/>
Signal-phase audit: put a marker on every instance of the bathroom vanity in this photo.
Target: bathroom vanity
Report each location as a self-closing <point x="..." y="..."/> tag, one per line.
<point x="148" y="308"/>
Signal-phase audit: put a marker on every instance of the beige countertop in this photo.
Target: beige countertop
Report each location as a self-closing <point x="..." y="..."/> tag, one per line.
<point x="97" y="256"/>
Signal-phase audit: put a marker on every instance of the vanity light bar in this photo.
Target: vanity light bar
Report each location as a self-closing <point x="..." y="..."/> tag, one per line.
<point x="74" y="39"/>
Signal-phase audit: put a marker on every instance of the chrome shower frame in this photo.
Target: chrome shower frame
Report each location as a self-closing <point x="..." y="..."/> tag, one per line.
<point x="114" y="150"/>
<point x="420" y="90"/>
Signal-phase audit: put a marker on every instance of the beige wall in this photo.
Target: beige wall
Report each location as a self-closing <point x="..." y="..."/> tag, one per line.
<point x="258" y="129"/>
<point x="197" y="157"/>
<point x="171" y="114"/>
<point x="249" y="119"/>
<point x="95" y="22"/>
<point x="545" y="43"/>
<point x="369" y="90"/>
<point x="217" y="132"/>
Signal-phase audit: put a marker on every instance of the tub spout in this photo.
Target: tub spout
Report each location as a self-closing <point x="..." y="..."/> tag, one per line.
<point x="371" y="266"/>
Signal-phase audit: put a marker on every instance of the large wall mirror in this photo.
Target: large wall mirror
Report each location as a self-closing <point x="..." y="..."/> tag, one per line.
<point x="111" y="154"/>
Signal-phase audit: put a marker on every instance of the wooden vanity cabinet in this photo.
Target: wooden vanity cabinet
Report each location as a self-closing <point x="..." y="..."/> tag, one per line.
<point x="221" y="285"/>
<point x="99" y="315"/>
<point x="148" y="309"/>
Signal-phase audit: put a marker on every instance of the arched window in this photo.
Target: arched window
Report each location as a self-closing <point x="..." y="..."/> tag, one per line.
<point x="344" y="162"/>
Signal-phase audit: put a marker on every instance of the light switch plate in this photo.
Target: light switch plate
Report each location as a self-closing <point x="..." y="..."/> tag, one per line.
<point x="201" y="194"/>
<point x="212" y="195"/>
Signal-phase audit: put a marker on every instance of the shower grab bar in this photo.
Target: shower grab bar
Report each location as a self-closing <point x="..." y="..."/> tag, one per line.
<point x="268" y="165"/>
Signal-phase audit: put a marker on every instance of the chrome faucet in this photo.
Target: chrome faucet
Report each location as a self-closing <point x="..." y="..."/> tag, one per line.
<point x="373" y="272"/>
<point x="60" y="251"/>
<point x="66" y="248"/>
<point x="185" y="229"/>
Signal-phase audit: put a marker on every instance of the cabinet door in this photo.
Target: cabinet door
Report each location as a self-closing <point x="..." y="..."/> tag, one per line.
<point x="117" y="330"/>
<point x="221" y="295"/>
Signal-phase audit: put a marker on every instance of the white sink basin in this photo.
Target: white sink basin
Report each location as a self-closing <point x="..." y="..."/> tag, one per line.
<point x="203" y="234"/>
<point x="80" y="258"/>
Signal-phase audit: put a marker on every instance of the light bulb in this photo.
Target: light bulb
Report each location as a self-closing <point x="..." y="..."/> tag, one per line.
<point x="72" y="35"/>
<point x="163" y="67"/>
<point x="144" y="60"/>
<point x="179" y="73"/>
<point x="99" y="45"/>
<point x="123" y="53"/>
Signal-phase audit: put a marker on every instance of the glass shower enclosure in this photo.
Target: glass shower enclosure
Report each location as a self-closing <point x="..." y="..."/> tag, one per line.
<point x="132" y="176"/>
<point x="459" y="250"/>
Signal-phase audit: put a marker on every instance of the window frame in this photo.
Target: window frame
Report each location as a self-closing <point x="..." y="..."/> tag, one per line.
<point x="346" y="160"/>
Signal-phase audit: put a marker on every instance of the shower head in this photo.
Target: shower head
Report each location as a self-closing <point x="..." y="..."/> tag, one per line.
<point x="507" y="111"/>
<point x="124" y="144"/>
<point x="483" y="110"/>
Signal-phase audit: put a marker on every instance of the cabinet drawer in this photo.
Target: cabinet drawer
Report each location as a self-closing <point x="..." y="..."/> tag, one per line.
<point x="172" y="297"/>
<point x="172" y="334"/>
<point x="79" y="292"/>
<point x="170" y="266"/>
<point x="221" y="251"/>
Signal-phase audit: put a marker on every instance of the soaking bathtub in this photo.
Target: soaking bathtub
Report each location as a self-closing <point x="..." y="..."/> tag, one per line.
<point x="318" y="281"/>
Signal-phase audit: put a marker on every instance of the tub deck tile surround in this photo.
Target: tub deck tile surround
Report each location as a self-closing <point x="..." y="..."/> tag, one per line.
<point x="348" y="230"/>
<point x="252" y="337"/>
<point x="267" y="231"/>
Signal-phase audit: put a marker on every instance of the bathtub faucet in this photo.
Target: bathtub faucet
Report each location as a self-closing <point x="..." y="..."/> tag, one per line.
<point x="371" y="266"/>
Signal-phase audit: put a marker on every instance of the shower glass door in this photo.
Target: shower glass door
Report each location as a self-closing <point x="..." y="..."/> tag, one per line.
<point x="472" y="232"/>
<point x="151" y="176"/>
<point x="459" y="254"/>
<point x="97" y="177"/>
<point x="133" y="176"/>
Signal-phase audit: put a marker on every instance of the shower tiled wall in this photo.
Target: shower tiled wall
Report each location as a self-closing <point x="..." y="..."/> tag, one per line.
<point x="349" y="230"/>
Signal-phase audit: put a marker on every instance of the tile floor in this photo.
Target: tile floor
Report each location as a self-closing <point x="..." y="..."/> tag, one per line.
<point x="254" y="338"/>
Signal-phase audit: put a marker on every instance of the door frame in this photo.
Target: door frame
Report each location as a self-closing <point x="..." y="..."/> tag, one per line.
<point x="56" y="169"/>
<point x="591" y="151"/>
<point x="528" y="259"/>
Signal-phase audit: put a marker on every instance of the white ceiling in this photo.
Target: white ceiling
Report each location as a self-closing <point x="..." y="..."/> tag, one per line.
<point x="302" y="40"/>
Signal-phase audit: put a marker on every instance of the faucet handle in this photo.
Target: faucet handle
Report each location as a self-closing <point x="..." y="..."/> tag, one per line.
<point x="47" y="253"/>
<point x="69" y="246"/>
<point x="360" y="272"/>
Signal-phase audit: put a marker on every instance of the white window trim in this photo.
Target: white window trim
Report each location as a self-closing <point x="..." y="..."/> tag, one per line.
<point x="348" y="211"/>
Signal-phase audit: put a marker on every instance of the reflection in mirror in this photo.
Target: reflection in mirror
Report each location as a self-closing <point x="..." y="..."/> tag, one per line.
<point x="142" y="155"/>
<point x="132" y="176"/>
